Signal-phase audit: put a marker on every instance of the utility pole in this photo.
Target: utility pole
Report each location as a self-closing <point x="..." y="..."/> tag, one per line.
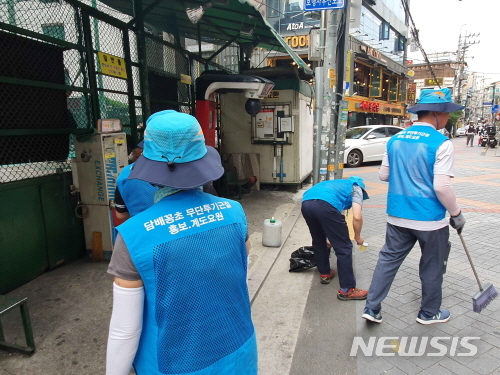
<point x="336" y="161"/>
<point x="320" y="102"/>
<point x="462" y="48"/>
<point x="330" y="94"/>
<point x="327" y="152"/>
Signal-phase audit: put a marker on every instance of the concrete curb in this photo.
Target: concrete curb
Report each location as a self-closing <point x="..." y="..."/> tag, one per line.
<point x="260" y="271"/>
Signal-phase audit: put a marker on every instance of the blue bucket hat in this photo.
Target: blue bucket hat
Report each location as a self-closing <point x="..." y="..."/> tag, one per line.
<point x="435" y="100"/>
<point x="359" y="181"/>
<point x="175" y="154"/>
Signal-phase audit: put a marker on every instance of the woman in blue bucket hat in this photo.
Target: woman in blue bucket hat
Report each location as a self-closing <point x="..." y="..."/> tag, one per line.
<point x="418" y="165"/>
<point x="180" y="297"/>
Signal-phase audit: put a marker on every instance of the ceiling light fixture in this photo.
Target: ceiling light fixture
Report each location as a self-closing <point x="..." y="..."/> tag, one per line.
<point x="195" y="13"/>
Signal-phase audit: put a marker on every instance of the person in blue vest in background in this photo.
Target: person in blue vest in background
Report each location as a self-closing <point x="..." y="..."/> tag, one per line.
<point x="135" y="196"/>
<point x="180" y="297"/>
<point x="322" y="207"/>
<point x="418" y="165"/>
<point x="132" y="196"/>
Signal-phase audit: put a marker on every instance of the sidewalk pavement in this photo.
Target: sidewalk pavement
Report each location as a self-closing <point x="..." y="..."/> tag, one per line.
<point x="70" y="306"/>
<point x="301" y="327"/>
<point x="328" y="327"/>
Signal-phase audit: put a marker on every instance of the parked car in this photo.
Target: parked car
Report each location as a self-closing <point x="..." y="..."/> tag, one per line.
<point x="367" y="143"/>
<point x="459" y="132"/>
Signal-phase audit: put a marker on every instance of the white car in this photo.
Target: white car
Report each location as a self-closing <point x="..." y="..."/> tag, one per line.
<point x="367" y="143"/>
<point x="459" y="132"/>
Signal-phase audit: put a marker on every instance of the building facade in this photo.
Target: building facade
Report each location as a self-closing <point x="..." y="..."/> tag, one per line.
<point x="376" y="79"/>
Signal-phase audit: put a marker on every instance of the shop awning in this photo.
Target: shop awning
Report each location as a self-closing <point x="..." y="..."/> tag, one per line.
<point x="222" y="21"/>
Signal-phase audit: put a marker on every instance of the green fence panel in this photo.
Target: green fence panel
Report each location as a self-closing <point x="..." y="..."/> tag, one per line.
<point x="64" y="231"/>
<point x="23" y="249"/>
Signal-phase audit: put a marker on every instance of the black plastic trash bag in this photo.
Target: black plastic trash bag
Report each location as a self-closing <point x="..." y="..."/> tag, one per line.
<point x="302" y="259"/>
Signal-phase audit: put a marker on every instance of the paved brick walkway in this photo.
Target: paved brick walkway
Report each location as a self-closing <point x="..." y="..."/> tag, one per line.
<point x="477" y="186"/>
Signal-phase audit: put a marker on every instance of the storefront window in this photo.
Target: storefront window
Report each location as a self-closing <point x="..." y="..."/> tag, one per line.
<point x="385" y="87"/>
<point x="393" y="89"/>
<point x="376" y="82"/>
<point x="361" y="79"/>
<point x="402" y="91"/>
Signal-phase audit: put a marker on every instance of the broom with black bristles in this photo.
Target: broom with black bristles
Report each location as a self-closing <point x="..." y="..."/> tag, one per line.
<point x="487" y="293"/>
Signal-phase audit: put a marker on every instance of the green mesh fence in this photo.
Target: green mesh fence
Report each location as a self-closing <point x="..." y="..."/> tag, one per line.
<point x="52" y="82"/>
<point x="43" y="87"/>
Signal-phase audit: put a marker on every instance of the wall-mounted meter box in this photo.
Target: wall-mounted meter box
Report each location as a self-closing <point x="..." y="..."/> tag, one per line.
<point x="280" y="136"/>
<point x="273" y="123"/>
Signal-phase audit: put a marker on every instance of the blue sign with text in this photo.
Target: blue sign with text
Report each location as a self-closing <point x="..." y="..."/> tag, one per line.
<point x="494" y="109"/>
<point x="310" y="5"/>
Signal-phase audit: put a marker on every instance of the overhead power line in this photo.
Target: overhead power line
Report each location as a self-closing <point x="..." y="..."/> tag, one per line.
<point x="414" y="34"/>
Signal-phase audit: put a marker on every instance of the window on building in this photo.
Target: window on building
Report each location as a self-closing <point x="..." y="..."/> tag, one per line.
<point x="384" y="31"/>
<point x="288" y="17"/>
<point x="375" y="87"/>
<point x="361" y="79"/>
<point x="273" y="8"/>
<point x="393" y="89"/>
<point x="402" y="91"/>
<point x="399" y="43"/>
<point x="54" y="30"/>
<point x="386" y="81"/>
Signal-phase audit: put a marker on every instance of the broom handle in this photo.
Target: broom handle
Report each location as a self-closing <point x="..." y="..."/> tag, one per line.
<point x="470" y="261"/>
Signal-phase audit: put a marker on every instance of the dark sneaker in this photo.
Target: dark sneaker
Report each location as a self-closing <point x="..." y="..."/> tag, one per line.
<point x="325" y="279"/>
<point x="370" y="315"/>
<point x="441" y="317"/>
<point x="352" y="294"/>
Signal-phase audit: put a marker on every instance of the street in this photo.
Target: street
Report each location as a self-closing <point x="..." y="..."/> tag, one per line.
<point x="301" y="326"/>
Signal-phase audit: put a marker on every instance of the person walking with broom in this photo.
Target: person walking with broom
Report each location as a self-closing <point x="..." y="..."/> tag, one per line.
<point x="418" y="165"/>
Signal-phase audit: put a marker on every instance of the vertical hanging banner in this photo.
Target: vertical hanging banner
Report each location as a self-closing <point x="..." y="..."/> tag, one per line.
<point x="112" y="65"/>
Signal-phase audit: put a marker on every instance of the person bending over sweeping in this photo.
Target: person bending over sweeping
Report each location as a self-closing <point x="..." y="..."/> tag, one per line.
<point x="322" y="205"/>
<point x="418" y="165"/>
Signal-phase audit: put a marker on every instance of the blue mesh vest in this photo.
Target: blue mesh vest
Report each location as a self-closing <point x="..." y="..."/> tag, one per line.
<point x="412" y="154"/>
<point x="138" y="195"/>
<point x="336" y="192"/>
<point x="190" y="251"/>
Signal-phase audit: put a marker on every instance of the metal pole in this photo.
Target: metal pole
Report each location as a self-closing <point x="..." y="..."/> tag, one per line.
<point x="492" y="105"/>
<point x="319" y="139"/>
<point x="89" y="55"/>
<point x="11" y="12"/>
<point x="97" y="46"/>
<point x="130" y="87"/>
<point x="344" y="70"/>
<point x="330" y="79"/>
<point x="318" y="118"/>
<point x="143" y="62"/>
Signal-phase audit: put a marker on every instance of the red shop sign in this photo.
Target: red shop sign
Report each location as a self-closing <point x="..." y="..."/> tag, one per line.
<point x="370" y="106"/>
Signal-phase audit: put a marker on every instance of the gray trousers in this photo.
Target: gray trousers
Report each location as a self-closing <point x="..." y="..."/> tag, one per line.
<point x="398" y="243"/>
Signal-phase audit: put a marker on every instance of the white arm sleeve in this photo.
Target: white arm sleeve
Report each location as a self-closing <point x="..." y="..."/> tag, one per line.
<point x="124" y="329"/>
<point x="446" y="194"/>
<point x="385" y="170"/>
